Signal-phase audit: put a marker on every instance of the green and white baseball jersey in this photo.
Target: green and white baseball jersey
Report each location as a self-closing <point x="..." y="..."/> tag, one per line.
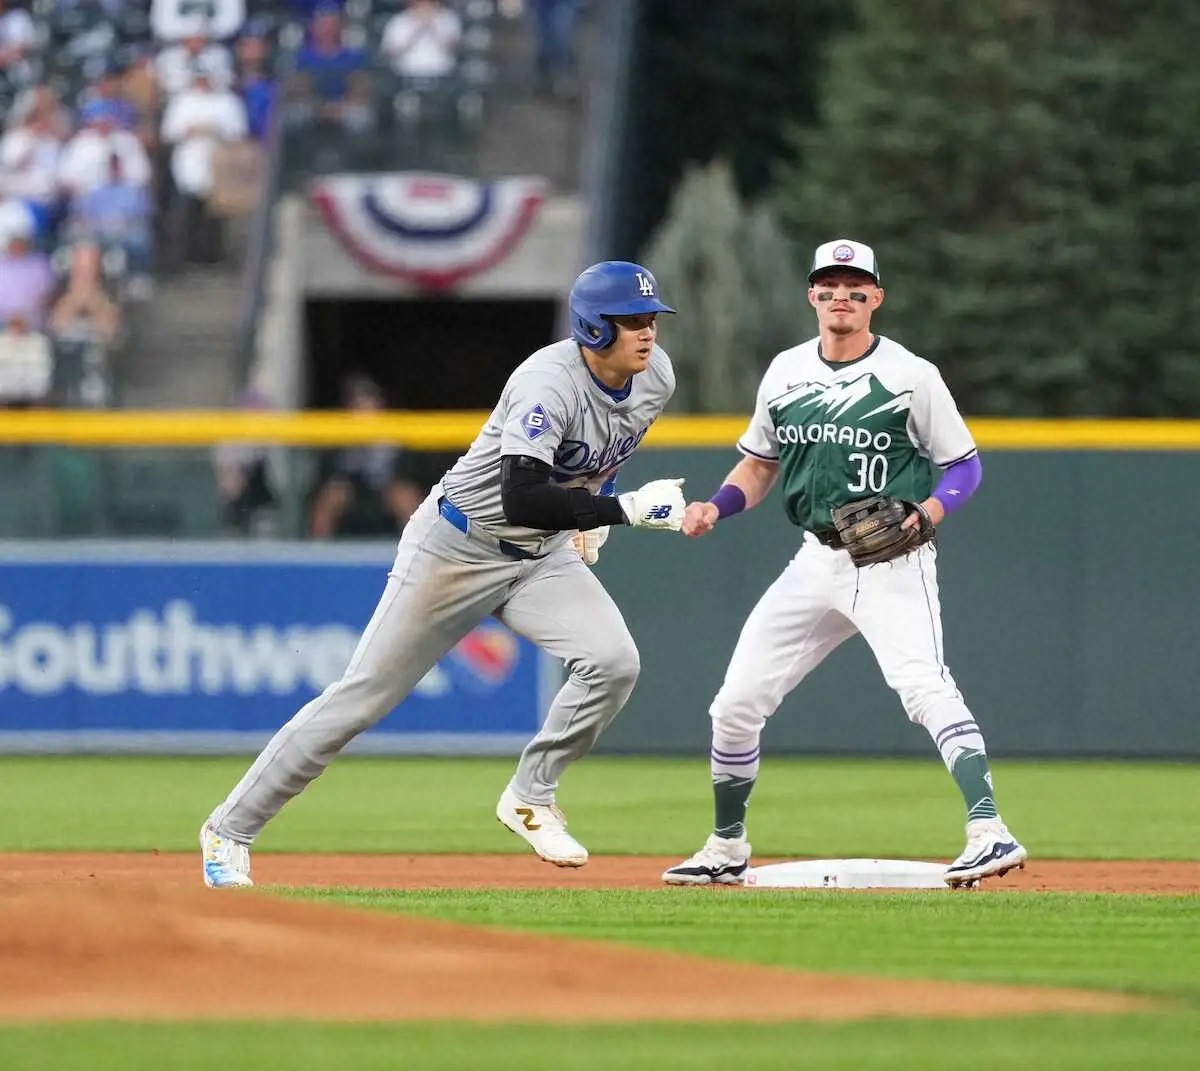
<point x="840" y="432"/>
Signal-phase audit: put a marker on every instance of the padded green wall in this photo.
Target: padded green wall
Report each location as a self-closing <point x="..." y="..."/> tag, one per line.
<point x="1068" y="596"/>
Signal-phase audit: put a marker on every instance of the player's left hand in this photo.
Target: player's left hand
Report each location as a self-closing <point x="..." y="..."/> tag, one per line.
<point x="589" y="543"/>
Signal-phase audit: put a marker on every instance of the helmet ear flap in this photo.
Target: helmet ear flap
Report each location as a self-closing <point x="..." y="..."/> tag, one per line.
<point x="595" y="334"/>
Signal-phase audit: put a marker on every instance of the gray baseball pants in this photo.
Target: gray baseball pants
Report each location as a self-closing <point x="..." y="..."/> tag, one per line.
<point x="442" y="584"/>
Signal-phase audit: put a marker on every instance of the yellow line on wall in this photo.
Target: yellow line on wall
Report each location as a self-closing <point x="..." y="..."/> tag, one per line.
<point x="455" y="430"/>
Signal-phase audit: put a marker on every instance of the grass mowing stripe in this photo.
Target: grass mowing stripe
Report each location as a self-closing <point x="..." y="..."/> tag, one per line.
<point x="1092" y="1043"/>
<point x="1137" y="944"/>
<point x="823" y="807"/>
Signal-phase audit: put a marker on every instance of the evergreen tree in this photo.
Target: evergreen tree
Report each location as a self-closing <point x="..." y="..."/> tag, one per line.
<point x="714" y="78"/>
<point x="1027" y="172"/>
<point x="728" y="269"/>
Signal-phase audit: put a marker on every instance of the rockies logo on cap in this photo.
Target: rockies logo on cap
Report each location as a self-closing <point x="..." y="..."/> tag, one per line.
<point x="843" y="253"/>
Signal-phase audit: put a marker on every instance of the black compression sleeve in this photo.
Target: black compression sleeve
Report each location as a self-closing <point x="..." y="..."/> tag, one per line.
<point x="531" y="500"/>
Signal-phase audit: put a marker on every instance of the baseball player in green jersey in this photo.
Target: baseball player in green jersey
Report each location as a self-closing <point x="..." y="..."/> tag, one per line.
<point x="843" y="417"/>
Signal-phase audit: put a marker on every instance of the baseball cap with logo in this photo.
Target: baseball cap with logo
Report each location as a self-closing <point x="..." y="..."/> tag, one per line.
<point x="844" y="253"/>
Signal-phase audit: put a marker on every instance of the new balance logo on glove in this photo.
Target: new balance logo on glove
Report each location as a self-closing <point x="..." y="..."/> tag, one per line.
<point x="658" y="504"/>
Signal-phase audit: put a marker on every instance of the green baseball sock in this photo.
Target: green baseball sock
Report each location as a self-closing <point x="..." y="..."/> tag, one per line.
<point x="731" y="797"/>
<point x="974" y="779"/>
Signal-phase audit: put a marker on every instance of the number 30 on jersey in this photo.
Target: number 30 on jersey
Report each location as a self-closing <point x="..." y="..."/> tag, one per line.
<point x="871" y="474"/>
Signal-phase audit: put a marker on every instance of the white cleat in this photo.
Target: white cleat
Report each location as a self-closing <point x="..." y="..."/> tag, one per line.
<point x="722" y="861"/>
<point x="543" y="827"/>
<point x="991" y="851"/>
<point x="226" y="862"/>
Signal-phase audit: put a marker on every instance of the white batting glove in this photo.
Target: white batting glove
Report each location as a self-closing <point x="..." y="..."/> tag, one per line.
<point x="589" y="543"/>
<point x="657" y="504"/>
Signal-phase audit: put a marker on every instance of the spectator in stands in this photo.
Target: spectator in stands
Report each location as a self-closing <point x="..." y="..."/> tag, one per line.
<point x="416" y="472"/>
<point x="26" y="363"/>
<point x="140" y="86"/>
<point x="249" y="505"/>
<point x="109" y="88"/>
<point x="84" y="311"/>
<point x="421" y="42"/>
<point x="195" y="123"/>
<point x="554" y="26"/>
<point x="358" y="493"/>
<point x="17" y="38"/>
<point x="29" y="155"/>
<point x="117" y="216"/>
<point x="330" y="81"/>
<point x="26" y="283"/>
<point x="254" y="84"/>
<point x="41" y="105"/>
<point x="85" y="31"/>
<point x="178" y="64"/>
<point x="18" y="223"/>
<point x="86" y="160"/>
<point x="172" y="20"/>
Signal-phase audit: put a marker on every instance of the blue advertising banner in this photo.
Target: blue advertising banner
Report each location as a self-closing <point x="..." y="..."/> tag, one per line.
<point x="215" y="648"/>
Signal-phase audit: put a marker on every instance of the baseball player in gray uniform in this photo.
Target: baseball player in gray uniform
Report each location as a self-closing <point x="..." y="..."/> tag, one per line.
<point x="506" y="532"/>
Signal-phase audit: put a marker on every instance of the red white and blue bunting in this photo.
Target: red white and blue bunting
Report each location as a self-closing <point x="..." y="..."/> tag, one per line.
<point x="430" y="230"/>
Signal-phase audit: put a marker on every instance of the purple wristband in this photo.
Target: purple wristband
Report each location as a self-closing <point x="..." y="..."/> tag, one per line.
<point x="958" y="483"/>
<point x="729" y="499"/>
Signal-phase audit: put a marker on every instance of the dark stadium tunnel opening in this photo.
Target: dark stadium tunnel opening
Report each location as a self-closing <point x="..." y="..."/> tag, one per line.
<point x="424" y="353"/>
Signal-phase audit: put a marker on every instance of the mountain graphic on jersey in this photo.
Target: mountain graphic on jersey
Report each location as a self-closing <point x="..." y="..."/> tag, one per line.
<point x="853" y="402"/>
<point x="842" y="441"/>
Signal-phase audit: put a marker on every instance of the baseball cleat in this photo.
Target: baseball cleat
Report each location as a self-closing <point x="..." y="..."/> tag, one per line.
<point x="226" y="862"/>
<point x="543" y="827"/>
<point x="991" y="851"/>
<point x="722" y="861"/>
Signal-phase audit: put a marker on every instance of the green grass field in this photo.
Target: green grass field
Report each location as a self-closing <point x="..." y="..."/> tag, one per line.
<point x="1144" y="945"/>
<point x="829" y="807"/>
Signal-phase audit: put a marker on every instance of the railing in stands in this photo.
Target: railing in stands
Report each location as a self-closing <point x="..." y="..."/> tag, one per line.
<point x="606" y="124"/>
<point x="258" y="250"/>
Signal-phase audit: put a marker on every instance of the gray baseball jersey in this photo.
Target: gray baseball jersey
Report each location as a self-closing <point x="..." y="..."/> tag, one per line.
<point x="446" y="580"/>
<point x="553" y="408"/>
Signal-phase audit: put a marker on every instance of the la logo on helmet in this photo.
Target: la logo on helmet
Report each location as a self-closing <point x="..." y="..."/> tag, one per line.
<point x="645" y="285"/>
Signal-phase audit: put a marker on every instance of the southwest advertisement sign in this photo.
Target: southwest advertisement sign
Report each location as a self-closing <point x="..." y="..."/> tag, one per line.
<point x="213" y="652"/>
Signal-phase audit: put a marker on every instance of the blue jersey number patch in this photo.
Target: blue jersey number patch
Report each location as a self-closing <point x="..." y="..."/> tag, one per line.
<point x="535" y="422"/>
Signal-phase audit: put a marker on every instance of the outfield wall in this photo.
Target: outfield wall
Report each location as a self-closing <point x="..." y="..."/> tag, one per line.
<point x="1069" y="603"/>
<point x="1069" y="614"/>
<point x="211" y="647"/>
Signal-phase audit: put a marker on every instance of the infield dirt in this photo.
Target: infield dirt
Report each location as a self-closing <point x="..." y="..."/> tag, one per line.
<point x="134" y="936"/>
<point x="526" y="871"/>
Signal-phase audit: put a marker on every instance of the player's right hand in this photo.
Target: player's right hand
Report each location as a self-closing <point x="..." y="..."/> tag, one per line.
<point x="657" y="504"/>
<point x="699" y="518"/>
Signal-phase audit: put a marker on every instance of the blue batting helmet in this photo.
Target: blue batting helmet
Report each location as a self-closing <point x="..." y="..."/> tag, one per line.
<point x="612" y="288"/>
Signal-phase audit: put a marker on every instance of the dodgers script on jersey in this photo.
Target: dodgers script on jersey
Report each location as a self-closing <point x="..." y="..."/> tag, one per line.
<point x="552" y="408"/>
<point x="840" y="432"/>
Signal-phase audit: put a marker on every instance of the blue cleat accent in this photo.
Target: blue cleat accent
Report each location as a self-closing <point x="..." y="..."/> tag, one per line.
<point x="226" y="863"/>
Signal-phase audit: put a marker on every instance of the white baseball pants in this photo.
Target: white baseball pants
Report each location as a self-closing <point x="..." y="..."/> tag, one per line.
<point x="817" y="602"/>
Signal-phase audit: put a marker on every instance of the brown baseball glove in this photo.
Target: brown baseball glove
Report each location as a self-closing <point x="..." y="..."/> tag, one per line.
<point x="870" y="528"/>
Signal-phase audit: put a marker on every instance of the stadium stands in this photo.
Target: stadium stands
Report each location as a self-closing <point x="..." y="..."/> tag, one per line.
<point x="132" y="130"/>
